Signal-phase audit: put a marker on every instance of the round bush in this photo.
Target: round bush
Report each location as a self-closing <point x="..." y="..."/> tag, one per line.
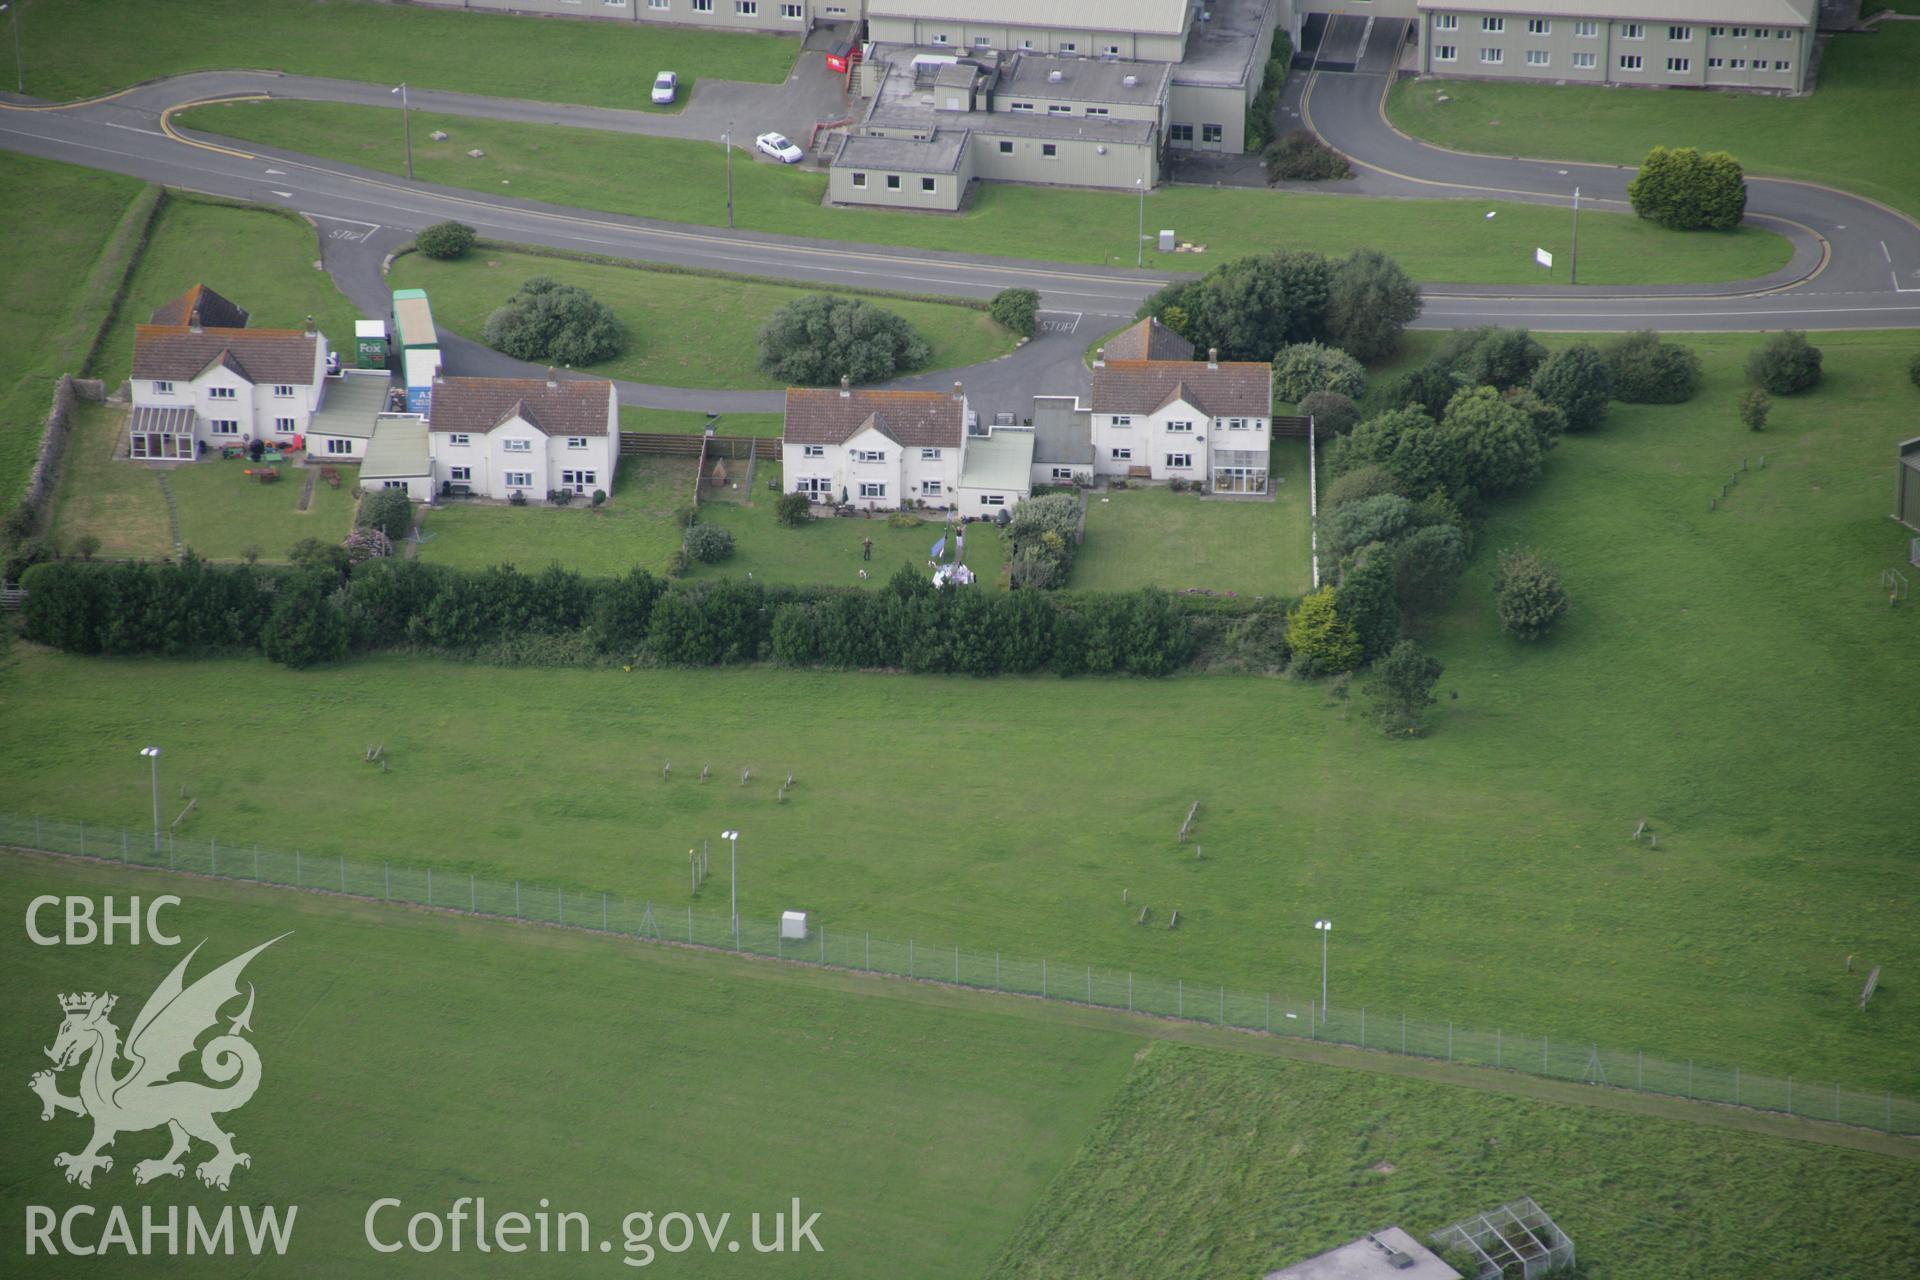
<point x="1579" y="381"/>
<point x="1687" y="190"/>
<point x="1786" y="364"/>
<point x="1333" y="414"/>
<point x="819" y="339"/>
<point x="1649" y="371"/>
<point x="446" y="240"/>
<point x="1528" y="591"/>
<point x="1307" y="367"/>
<point x="547" y="320"/>
<point x="1015" y="309"/>
<point x="708" y="543"/>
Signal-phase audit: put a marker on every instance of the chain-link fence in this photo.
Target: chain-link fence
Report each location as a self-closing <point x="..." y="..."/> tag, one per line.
<point x="1271" y="1012"/>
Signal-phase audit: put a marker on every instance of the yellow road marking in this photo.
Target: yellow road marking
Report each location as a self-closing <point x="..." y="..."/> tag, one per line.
<point x="166" y="122"/>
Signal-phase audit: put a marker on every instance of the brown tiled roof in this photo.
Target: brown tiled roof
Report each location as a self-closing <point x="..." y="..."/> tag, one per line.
<point x="215" y="311"/>
<point x="1148" y="340"/>
<point x="571" y="407"/>
<point x="175" y="352"/>
<point x="917" y="419"/>
<point x="1236" y="389"/>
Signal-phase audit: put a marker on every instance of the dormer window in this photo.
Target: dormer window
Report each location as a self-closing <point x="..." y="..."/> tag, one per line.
<point x="517" y="446"/>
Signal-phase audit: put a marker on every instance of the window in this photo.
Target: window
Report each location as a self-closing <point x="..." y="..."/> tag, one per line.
<point x="656" y="4"/>
<point x="1783" y="34"/>
<point x="393" y="484"/>
<point x="872" y="489"/>
<point x="1019" y="106"/>
<point x="163" y="388"/>
<point x="993" y="499"/>
<point x="576" y="442"/>
<point x="940" y="39"/>
<point x="1098" y="111"/>
<point x="1739" y="33"/>
<point x="893" y="182"/>
<point x="1634" y="31"/>
<point x="1068" y="46"/>
<point x="926" y="184"/>
<point x="1027" y="45"/>
<point x="1445" y="53"/>
<point x="929" y="455"/>
<point x="336" y="445"/>
<point x="1629" y="62"/>
<point x="983" y="42"/>
<point x="1494" y="56"/>
<point x="1112" y="51"/>
<point x="1446" y="22"/>
<point x="1062" y="473"/>
<point x="1180" y="428"/>
<point x="517" y="446"/>
<point x="1679" y="66"/>
<point x="1493" y="25"/>
<point x="869" y="455"/>
<point x="1236" y="424"/>
<point x="617" y="4"/>
<point x="458" y="440"/>
<point x="578" y="481"/>
<point x="1179" y="461"/>
<point x="1211" y="132"/>
<point x="1716" y="32"/>
<point x="224" y="427"/>
<point x="1539" y="27"/>
<point x="1783" y="66"/>
<point x="746" y="8"/>
<point x="1049" y="150"/>
<point x="929" y="488"/>
<point x="1180" y="133"/>
<point x="285" y="426"/>
<point x="1583" y="60"/>
<point x="1714" y="64"/>
<point x="1059" y="109"/>
<point x="1537" y="58"/>
<point x="1738" y="64"/>
<point x="859" y="179"/>
<point x="1122" y="455"/>
<point x="1681" y="34"/>
<point x="813" y="451"/>
<point x="460" y="475"/>
<point x="792" y="12"/>
<point x="1006" y="148"/>
<point x="1122" y="419"/>
<point x="817" y="486"/>
<point x="836" y="11"/>
<point x="702" y="6"/>
<point x="220" y="393"/>
<point x="1586" y="30"/>
<point x="523" y="479"/>
<point x="282" y="391"/>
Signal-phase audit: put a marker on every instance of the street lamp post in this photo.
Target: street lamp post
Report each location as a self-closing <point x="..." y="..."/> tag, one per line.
<point x="406" y="123"/>
<point x="1573" y="259"/>
<point x="733" y="881"/>
<point x="728" y="139"/>
<point x="19" y="68"/>
<point x="1140" y="239"/>
<point x="1325" y="927"/>
<point x="153" y="757"/>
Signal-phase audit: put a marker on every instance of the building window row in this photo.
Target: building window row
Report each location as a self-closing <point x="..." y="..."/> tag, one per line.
<point x="893" y="179"/>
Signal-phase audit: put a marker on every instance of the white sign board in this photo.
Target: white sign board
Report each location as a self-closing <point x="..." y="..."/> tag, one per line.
<point x="1544" y="258"/>
<point x="793" y="926"/>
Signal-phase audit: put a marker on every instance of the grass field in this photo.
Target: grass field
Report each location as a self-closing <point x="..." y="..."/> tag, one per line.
<point x="427" y="1058"/>
<point x="1155" y="537"/>
<point x="1817" y="138"/>
<point x="72" y="51"/>
<point x="1218" y="1164"/>
<point x="222" y="512"/>
<point x="638" y="525"/>
<point x="1725" y="675"/>
<point x="682" y="330"/>
<point x="1436" y="240"/>
<point x="51" y="311"/>
<point x="262" y="259"/>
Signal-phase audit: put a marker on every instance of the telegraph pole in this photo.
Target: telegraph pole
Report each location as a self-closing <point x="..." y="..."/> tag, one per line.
<point x="1573" y="259"/>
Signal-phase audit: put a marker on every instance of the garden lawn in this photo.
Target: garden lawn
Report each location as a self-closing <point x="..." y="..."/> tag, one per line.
<point x="688" y="422"/>
<point x="638" y="526"/>
<point x="262" y="259"/>
<point x="1818" y="138"/>
<point x="1725" y="675"/>
<point x="429" y="1058"/>
<point x="46" y="273"/>
<point x="1156" y="537"/>
<point x="827" y="552"/>
<point x="1220" y="1164"/>
<point x="77" y="51"/>
<point x="683" y="330"/>
<point x="223" y="513"/>
<point x="681" y="181"/>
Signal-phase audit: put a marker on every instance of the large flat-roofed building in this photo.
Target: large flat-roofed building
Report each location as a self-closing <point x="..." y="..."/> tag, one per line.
<point x="775" y="17"/>
<point x="1701" y="44"/>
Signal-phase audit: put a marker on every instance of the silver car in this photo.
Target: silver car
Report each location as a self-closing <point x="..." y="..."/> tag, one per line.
<point x="666" y="87"/>
<point x="779" y="147"/>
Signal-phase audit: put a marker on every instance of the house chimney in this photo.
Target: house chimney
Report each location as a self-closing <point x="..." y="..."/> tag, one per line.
<point x="551" y="380"/>
<point x="193" y="321"/>
<point x="1099" y="357"/>
<point x="846" y="387"/>
<point x="310" y="328"/>
<point x="1213" y="357"/>
<point x="959" y="393"/>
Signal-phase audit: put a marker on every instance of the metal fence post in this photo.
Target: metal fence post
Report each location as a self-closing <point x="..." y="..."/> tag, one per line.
<point x="1449" y="1040"/>
<point x="296" y="868"/>
<point x="956" y="966"/>
<point x="1089" y="984"/>
<point x="123" y="844"/>
<point x="516" y="897"/>
<point x="1836" y="1102"/>
<point x="1736" y="1086"/>
<point x="689" y="922"/>
<point x="1789" y="1093"/>
<point x="429" y="886"/>
<point x="1640" y="1075"/>
<point x="996" y="971"/>
<point x="1180" y="997"/>
<point x="1043" y="977"/>
<point x="1496" y="1046"/>
<point x="869" y="951"/>
<point x="387" y="894"/>
<point x="1269" y="1011"/>
<point x="343" y="873"/>
<point x="256" y="862"/>
<point x="823" y="947"/>
<point x="1363" y="1026"/>
<point x="213" y="856"/>
<point x="603" y="910"/>
<point x="1130" y="1000"/>
<point x="1689" y="1077"/>
<point x="1403" y="1033"/>
<point x="909" y="957"/>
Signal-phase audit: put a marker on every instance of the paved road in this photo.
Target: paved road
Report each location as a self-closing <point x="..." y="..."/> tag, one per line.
<point x="364" y="215"/>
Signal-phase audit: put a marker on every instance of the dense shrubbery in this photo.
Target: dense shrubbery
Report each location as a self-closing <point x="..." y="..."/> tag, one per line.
<point x="1649" y="371"/>
<point x="1040" y="536"/>
<point x="793" y="509"/>
<point x="1371" y="299"/>
<point x="1307" y="367"/>
<point x="445" y="240"/>
<point x="817" y="340"/>
<point x="1688" y="190"/>
<point x="1785" y="364"/>
<point x="707" y="543"/>
<point x="1403" y="688"/>
<point x="1579" y="381"/>
<point x="1015" y="309"/>
<point x="1490" y="356"/>
<point x="563" y="323"/>
<point x="1333" y="414"/>
<point x="388" y="510"/>
<point x="1300" y="156"/>
<point x="1260" y="111"/>
<point x="1754" y="406"/>
<point x="1528" y="592"/>
<point x="1252" y="308"/>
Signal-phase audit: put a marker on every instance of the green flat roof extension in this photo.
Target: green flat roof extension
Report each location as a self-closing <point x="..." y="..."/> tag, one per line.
<point x="397" y="451"/>
<point x="1002" y="460"/>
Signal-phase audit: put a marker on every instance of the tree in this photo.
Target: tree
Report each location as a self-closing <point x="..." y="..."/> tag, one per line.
<point x="446" y="240"/>
<point x="1333" y="414"/>
<point x="1369" y="301"/>
<point x="388" y="510"/>
<point x="1369" y="480"/>
<point x="86" y="546"/>
<point x="1014" y="310"/>
<point x="1351" y="525"/>
<point x="1755" y="405"/>
<point x="1040" y="532"/>
<point x="1307" y="367"/>
<point x="1549" y="423"/>
<point x="307" y="625"/>
<point x="1913" y="369"/>
<point x="1785" y="364"/>
<point x="1429" y="387"/>
<point x="1649" y="371"/>
<point x="1579" y="381"/>
<point x="1322" y="642"/>
<point x="1686" y="190"/>
<point x="1495" y="441"/>
<point x="708" y="543"/>
<point x="311" y="553"/>
<point x="1403" y="684"/>
<point x="1367" y="599"/>
<point x="821" y="338"/>
<point x="1409" y="444"/>
<point x="1528" y="593"/>
<point x="1248" y="308"/>
<point x="1490" y="356"/>
<point x="793" y="509"/>
<point x="1426" y="564"/>
<point x="563" y="323"/>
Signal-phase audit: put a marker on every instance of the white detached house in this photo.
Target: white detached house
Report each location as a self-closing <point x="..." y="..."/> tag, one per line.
<point x="497" y="437"/>
<point x="875" y="449"/>
<point x="1164" y="419"/>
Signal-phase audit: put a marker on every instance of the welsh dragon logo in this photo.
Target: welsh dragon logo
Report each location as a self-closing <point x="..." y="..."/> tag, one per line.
<point x="145" y="1095"/>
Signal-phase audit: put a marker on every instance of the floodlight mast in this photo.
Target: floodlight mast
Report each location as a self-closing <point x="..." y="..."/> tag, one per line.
<point x="732" y="838"/>
<point x="153" y="757"/>
<point x="1325" y="927"/>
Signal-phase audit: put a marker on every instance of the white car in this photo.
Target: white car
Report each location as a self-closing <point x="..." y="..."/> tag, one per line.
<point x="778" y="146"/>
<point x="666" y="86"/>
